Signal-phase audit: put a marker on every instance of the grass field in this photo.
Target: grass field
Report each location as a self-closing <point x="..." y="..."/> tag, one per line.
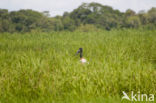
<point x="41" y="67"/>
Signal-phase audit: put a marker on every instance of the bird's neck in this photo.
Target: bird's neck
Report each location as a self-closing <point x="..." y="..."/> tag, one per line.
<point x="81" y="56"/>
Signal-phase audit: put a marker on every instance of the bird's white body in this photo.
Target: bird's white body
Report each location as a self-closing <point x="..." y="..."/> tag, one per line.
<point x="82" y="60"/>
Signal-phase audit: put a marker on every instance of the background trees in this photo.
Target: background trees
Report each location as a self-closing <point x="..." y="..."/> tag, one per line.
<point x="152" y="16"/>
<point x="95" y="14"/>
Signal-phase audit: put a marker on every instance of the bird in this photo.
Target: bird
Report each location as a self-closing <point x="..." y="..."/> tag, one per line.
<point x="82" y="60"/>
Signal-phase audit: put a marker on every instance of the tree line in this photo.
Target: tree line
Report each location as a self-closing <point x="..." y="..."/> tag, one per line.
<point x="86" y="16"/>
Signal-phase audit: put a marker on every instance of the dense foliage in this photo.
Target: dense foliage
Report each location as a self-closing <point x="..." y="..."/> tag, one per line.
<point x="43" y="69"/>
<point x="94" y="14"/>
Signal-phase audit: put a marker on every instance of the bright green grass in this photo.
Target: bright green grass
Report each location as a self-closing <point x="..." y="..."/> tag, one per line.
<point x="42" y="68"/>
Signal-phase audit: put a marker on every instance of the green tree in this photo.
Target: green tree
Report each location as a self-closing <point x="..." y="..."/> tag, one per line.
<point x="58" y="25"/>
<point x="152" y="15"/>
<point x="4" y="20"/>
<point x="68" y="23"/>
<point x="130" y="12"/>
<point x="143" y="17"/>
<point x="25" y="20"/>
<point x="133" y="22"/>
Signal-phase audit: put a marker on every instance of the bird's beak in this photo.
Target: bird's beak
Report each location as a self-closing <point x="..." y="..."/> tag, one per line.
<point x="77" y="52"/>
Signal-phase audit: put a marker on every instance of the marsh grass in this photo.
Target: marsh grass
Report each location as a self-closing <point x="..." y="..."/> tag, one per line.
<point x="41" y="67"/>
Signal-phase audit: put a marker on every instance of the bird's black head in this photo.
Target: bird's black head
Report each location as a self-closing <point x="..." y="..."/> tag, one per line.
<point x="80" y="51"/>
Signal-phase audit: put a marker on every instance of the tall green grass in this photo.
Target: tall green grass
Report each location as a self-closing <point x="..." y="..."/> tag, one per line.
<point x="41" y="67"/>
